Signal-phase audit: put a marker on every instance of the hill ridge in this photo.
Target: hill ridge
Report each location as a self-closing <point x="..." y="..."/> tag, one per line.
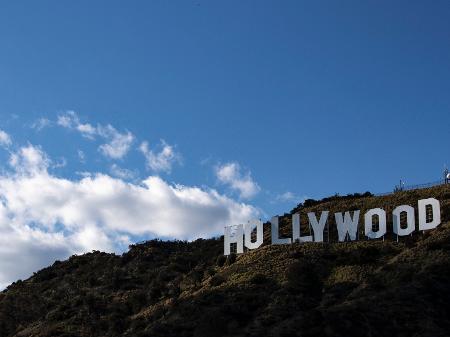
<point x="179" y="288"/>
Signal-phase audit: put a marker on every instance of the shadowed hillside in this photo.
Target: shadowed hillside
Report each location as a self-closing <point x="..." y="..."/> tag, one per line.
<point x="364" y="288"/>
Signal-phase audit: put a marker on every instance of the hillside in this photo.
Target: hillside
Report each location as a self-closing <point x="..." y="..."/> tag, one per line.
<point x="364" y="288"/>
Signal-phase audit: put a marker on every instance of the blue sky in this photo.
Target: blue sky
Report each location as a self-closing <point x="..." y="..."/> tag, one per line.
<point x="261" y="102"/>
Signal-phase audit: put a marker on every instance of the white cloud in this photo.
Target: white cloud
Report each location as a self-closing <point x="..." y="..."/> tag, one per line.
<point x="29" y="160"/>
<point x="24" y="249"/>
<point x="160" y="161"/>
<point x="67" y="120"/>
<point x="87" y="130"/>
<point x="81" y="156"/>
<point x="62" y="162"/>
<point x="5" y="139"/>
<point x="71" y="120"/>
<point x="118" y="144"/>
<point x="122" y="173"/>
<point x="288" y="197"/>
<point x="230" y="174"/>
<point x="41" y="123"/>
<point x="44" y="217"/>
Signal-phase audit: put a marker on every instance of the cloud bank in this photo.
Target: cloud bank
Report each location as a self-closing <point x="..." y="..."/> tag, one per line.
<point x="44" y="217"/>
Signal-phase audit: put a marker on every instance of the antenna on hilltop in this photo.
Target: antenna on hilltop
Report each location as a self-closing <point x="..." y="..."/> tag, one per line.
<point x="400" y="187"/>
<point x="446" y="175"/>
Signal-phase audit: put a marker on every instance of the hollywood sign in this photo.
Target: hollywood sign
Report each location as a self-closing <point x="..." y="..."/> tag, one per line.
<point x="347" y="226"/>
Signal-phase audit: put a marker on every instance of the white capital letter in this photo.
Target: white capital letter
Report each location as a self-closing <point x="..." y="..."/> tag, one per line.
<point x="296" y="235"/>
<point x="423" y="224"/>
<point x="276" y="240"/>
<point x="347" y="225"/>
<point x="248" y="234"/>
<point x="368" y="224"/>
<point x="410" y="219"/>
<point x="235" y="238"/>
<point x="318" y="226"/>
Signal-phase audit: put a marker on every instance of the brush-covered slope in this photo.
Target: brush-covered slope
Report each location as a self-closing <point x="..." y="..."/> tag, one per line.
<point x="364" y="288"/>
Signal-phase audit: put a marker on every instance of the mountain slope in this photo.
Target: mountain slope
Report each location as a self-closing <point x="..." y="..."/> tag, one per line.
<point x="364" y="288"/>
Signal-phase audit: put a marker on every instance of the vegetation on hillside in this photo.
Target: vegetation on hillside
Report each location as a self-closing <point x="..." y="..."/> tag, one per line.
<point x="177" y="288"/>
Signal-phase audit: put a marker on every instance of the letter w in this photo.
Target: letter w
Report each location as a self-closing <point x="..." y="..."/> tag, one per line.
<point x="345" y="224"/>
